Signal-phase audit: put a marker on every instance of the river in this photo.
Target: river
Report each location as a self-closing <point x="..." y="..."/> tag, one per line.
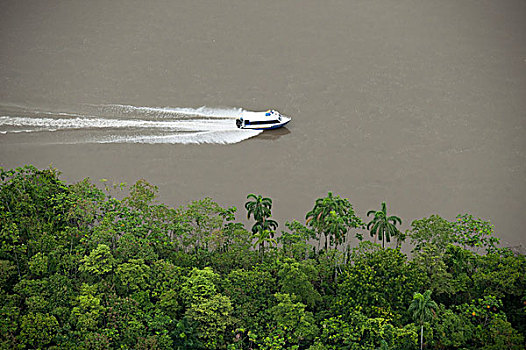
<point x="421" y="104"/>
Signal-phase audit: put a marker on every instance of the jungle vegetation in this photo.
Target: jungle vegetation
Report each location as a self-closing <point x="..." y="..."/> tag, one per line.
<point x="85" y="266"/>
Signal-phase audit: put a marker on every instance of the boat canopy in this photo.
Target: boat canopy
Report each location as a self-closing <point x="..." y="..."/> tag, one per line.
<point x="261" y="116"/>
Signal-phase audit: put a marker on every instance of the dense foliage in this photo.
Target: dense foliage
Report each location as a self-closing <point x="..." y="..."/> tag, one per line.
<point x="89" y="268"/>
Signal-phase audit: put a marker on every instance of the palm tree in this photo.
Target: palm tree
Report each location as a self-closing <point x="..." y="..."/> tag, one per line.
<point x="422" y="308"/>
<point x="260" y="207"/>
<point x="332" y="216"/>
<point x="383" y="226"/>
<point x="262" y="237"/>
<point x="267" y="224"/>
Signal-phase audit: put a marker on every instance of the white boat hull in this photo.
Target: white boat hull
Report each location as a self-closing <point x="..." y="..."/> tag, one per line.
<point x="267" y="120"/>
<point x="284" y="121"/>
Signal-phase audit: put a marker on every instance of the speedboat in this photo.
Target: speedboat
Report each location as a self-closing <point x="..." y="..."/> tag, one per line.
<point x="270" y="119"/>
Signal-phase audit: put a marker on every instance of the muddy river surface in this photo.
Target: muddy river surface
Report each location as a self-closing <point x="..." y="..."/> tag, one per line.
<point x="421" y="104"/>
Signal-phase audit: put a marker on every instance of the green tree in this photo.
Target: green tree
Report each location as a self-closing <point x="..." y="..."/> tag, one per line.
<point x="88" y="310"/>
<point x="336" y="333"/>
<point x="212" y="317"/>
<point x="422" y="308"/>
<point x="491" y="329"/>
<point x="99" y="262"/>
<point x="466" y="231"/>
<point x="430" y="260"/>
<point x="332" y="217"/>
<point x="503" y="275"/>
<point x="9" y="324"/>
<point x="360" y="332"/>
<point x="379" y="281"/>
<point x="296" y="279"/>
<point x="452" y="330"/>
<point x="382" y="225"/>
<point x="165" y="287"/>
<point x="134" y="275"/>
<point x="38" y="214"/>
<point x="205" y="224"/>
<point x="433" y="230"/>
<point x="475" y="233"/>
<point x="249" y="291"/>
<point x="295" y="242"/>
<point x="263" y="238"/>
<point x="260" y="207"/>
<point x="200" y="284"/>
<point x="210" y="312"/>
<point x="461" y="265"/>
<point x="294" y="325"/>
<point x="123" y="319"/>
<point x="185" y="335"/>
<point x="38" y="330"/>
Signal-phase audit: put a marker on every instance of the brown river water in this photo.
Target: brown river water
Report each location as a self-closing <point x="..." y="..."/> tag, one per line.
<point x="421" y="104"/>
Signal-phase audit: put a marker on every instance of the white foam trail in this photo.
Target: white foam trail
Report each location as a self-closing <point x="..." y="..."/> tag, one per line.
<point x="230" y="113"/>
<point x="216" y="137"/>
<point x="131" y="124"/>
<point x="50" y="124"/>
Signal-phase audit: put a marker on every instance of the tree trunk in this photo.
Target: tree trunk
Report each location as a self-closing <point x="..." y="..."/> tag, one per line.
<point x="421" y="337"/>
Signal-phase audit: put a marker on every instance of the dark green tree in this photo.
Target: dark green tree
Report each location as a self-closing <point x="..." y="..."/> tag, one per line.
<point x="293" y="325"/>
<point x="422" y="308"/>
<point x="250" y="291"/>
<point x="382" y="225"/>
<point x="296" y="279"/>
<point x="332" y="217"/>
<point x="260" y="208"/>
<point x="378" y="281"/>
<point x="295" y="242"/>
<point x="430" y="260"/>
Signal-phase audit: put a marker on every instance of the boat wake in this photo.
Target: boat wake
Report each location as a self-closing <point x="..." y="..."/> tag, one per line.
<point x="116" y="123"/>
